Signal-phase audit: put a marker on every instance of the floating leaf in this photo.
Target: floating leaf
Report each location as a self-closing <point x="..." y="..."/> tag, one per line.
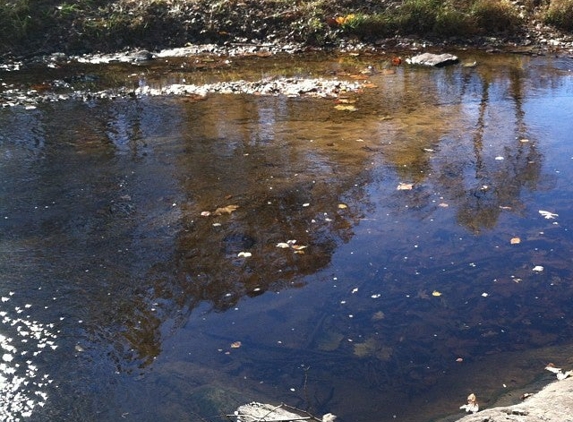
<point x="244" y="254"/>
<point x="515" y="240"/>
<point x="283" y="245"/>
<point x="538" y="268"/>
<point x="405" y="186"/>
<point x="548" y="215"/>
<point x="299" y="247"/>
<point x="551" y="368"/>
<point x="436" y="293"/>
<point x="236" y="345"/>
<point x="206" y="213"/>
<point x="557" y="371"/>
<point x="342" y="206"/>
<point x="472" y="406"/>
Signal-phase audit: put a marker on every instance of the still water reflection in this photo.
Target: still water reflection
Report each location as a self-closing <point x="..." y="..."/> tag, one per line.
<point x="140" y="238"/>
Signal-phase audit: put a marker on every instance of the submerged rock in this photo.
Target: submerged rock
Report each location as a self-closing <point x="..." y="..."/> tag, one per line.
<point x="260" y="412"/>
<point x="436" y="60"/>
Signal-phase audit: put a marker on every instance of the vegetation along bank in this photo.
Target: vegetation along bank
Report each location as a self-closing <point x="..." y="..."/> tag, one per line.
<point x="31" y="27"/>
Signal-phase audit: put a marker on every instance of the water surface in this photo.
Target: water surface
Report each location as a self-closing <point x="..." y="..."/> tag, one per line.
<point x="126" y="292"/>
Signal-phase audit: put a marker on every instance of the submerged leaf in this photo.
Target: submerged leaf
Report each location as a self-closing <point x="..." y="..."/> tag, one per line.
<point x="226" y="210"/>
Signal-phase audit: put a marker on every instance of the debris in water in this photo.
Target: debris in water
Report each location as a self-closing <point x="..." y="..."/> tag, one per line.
<point x="559" y="372"/>
<point x="472" y="406"/>
<point x="262" y="412"/>
<point x="538" y="268"/>
<point x="244" y="254"/>
<point x="343" y="107"/>
<point x="515" y="241"/>
<point x="405" y="186"/>
<point x="548" y="215"/>
<point x="291" y="244"/>
<point x="226" y="210"/>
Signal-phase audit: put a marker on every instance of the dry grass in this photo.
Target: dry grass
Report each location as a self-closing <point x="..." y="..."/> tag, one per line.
<point x="87" y="25"/>
<point x="560" y="14"/>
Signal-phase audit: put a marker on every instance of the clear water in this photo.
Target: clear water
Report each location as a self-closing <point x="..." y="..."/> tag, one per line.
<point x="120" y="300"/>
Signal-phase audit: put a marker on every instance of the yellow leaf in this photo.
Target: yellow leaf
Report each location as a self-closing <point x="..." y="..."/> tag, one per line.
<point x="235" y="345"/>
<point x="515" y="240"/>
<point x="436" y="293"/>
<point x="345" y="107"/>
<point x="342" y="206"/>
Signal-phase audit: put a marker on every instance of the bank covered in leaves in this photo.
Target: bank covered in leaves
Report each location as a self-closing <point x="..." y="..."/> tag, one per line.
<point x="28" y="28"/>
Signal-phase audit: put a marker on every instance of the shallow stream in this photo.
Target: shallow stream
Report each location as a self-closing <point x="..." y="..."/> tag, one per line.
<point x="379" y="255"/>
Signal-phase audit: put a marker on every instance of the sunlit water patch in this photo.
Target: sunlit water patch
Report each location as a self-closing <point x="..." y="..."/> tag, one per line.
<point x="23" y="380"/>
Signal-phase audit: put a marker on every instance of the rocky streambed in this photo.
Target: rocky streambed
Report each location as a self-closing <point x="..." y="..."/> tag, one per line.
<point x="290" y="87"/>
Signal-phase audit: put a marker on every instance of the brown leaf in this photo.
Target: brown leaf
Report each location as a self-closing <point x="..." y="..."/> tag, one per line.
<point x="226" y="210"/>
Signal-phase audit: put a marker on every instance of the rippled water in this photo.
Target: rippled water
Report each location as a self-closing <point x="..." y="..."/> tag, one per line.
<point x="126" y="295"/>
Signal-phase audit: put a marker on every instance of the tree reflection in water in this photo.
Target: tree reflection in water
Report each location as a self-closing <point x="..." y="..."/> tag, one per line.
<point x="132" y="179"/>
